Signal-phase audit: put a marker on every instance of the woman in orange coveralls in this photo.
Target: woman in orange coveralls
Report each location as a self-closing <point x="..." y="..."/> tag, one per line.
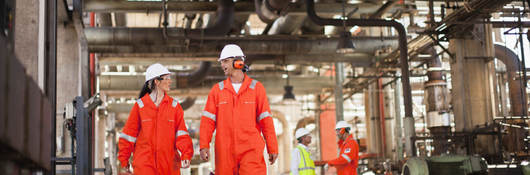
<point x="155" y="129"/>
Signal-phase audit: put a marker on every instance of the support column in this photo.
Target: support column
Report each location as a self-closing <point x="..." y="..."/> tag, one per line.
<point x="339" y="99"/>
<point x="398" y="136"/>
<point x="373" y="129"/>
<point x="471" y="82"/>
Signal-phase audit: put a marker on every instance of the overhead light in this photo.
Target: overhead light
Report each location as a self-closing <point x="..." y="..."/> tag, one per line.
<point x="288" y="93"/>
<point x="345" y="43"/>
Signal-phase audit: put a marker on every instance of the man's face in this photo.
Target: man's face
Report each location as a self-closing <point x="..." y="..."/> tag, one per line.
<point x="227" y="66"/>
<point x="306" y="140"/>
<point x="339" y="135"/>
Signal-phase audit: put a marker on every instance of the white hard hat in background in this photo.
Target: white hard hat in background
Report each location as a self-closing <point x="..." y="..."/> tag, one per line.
<point x="301" y="132"/>
<point x="155" y="70"/>
<point x="342" y="124"/>
<point x="231" y="50"/>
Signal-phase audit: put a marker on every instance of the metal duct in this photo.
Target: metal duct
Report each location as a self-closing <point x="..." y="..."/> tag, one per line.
<point x="151" y="40"/>
<point x="188" y="102"/>
<point x="516" y="86"/>
<point x="383" y="9"/>
<point x="223" y="22"/>
<point x="186" y="80"/>
<point x="514" y="140"/>
<point x="265" y="14"/>
<point x="407" y="97"/>
<point x="287" y="24"/>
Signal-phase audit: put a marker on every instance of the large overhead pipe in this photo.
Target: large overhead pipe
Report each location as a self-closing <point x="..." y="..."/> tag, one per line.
<point x="223" y="23"/>
<point x="186" y="80"/>
<point x="269" y="10"/>
<point x="516" y="86"/>
<point x="514" y="141"/>
<point x="407" y="97"/>
<point x="151" y="40"/>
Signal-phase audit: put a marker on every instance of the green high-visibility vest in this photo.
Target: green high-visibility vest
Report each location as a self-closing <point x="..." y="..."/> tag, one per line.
<point x="306" y="165"/>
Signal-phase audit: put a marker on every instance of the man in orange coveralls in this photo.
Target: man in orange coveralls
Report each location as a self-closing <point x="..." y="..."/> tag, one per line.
<point x="237" y="108"/>
<point x="348" y="159"/>
<point x="155" y="129"/>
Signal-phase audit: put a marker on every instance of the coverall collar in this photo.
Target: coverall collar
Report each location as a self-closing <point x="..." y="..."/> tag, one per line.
<point x="244" y="84"/>
<point x="147" y="99"/>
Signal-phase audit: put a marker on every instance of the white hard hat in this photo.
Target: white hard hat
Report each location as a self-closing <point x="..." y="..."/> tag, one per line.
<point x="155" y="70"/>
<point x="231" y="50"/>
<point x="342" y="124"/>
<point x="301" y="132"/>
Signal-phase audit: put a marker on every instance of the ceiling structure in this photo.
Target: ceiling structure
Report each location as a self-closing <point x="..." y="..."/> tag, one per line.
<point x="277" y="36"/>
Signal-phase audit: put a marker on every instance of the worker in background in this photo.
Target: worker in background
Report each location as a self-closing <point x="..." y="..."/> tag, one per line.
<point x="301" y="160"/>
<point x="347" y="162"/>
<point x="155" y="129"/>
<point x="238" y="110"/>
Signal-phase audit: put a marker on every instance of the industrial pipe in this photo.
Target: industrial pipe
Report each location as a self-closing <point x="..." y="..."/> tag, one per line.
<point x="407" y="97"/>
<point x="223" y="23"/>
<point x="514" y="140"/>
<point x="187" y="80"/>
<point x="268" y="10"/>
<point x="383" y="9"/>
<point x="513" y="67"/>
<point x="151" y="40"/>
<point x="188" y="102"/>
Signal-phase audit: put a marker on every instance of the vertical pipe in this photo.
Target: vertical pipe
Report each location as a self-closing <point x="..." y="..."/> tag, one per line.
<point x="339" y="99"/>
<point x="92" y="58"/>
<point x="431" y="12"/>
<point x="51" y="72"/>
<point x="381" y="114"/>
<point x="397" y="106"/>
<point x="525" y="110"/>
<point x="92" y="79"/>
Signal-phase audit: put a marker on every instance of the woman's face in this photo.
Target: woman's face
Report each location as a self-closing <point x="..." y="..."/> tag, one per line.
<point x="165" y="83"/>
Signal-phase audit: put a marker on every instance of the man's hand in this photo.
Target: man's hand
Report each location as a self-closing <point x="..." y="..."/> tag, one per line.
<point x="205" y="154"/>
<point x="320" y="162"/>
<point x="185" y="163"/>
<point x="272" y="158"/>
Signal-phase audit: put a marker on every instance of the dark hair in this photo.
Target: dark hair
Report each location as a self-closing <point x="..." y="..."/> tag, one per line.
<point x="149" y="86"/>
<point x="299" y="139"/>
<point x="347" y="130"/>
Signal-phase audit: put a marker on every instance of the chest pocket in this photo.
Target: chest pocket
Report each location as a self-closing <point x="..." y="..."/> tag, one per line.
<point x="247" y="106"/>
<point x="147" y="120"/>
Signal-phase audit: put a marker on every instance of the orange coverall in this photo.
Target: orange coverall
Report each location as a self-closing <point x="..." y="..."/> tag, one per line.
<point x="153" y="134"/>
<point x="348" y="159"/>
<point x="239" y="119"/>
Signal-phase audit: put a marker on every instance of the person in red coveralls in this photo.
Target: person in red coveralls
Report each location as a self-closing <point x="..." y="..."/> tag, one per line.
<point x="348" y="159"/>
<point x="155" y="129"/>
<point x="238" y="111"/>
